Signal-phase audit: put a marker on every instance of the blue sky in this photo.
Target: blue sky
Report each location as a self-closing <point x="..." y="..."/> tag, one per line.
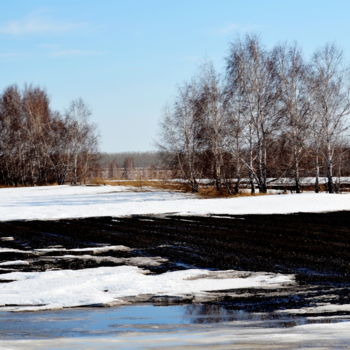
<point x="126" y="58"/>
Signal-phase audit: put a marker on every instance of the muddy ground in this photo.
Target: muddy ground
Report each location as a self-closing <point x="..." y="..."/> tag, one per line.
<point x="314" y="247"/>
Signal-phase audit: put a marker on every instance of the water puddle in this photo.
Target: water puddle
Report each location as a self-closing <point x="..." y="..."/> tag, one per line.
<point x="195" y="326"/>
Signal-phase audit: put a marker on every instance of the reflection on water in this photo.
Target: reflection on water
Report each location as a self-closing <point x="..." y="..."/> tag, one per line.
<point x="211" y="313"/>
<point x="106" y="322"/>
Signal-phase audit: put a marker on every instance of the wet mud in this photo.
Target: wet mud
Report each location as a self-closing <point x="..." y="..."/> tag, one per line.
<point x="314" y="247"/>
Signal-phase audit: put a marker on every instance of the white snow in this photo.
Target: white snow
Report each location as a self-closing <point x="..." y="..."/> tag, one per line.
<point x="321" y="308"/>
<point x="102" y="249"/>
<point x="56" y="202"/>
<point x="14" y="262"/>
<point x="12" y="250"/>
<point x="6" y="239"/>
<point x="134" y="261"/>
<point x="306" y="181"/>
<point x="108" y="285"/>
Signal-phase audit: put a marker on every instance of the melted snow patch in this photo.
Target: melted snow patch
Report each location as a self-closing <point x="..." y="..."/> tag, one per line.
<point x="11" y="250"/>
<point x="319" y="309"/>
<point x="109" y="285"/>
<point x="122" y="248"/>
<point x="7" y="239"/>
<point x="134" y="261"/>
<point x="103" y="249"/>
<point x="14" y="262"/>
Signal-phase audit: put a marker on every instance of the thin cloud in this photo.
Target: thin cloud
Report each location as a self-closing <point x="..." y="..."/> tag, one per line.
<point x="10" y="54"/>
<point x="53" y="51"/>
<point x="38" y="23"/>
<point x="74" y="52"/>
<point x="232" y="28"/>
<point x="191" y="59"/>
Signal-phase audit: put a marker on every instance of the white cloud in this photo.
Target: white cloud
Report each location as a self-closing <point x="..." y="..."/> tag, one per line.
<point x="38" y="23"/>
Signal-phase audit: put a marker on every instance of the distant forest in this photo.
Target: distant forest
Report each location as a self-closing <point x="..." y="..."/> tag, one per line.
<point x="135" y="159"/>
<point x="270" y="114"/>
<point x="133" y="166"/>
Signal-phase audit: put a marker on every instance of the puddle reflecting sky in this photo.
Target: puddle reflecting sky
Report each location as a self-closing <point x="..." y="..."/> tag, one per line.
<point x="134" y="318"/>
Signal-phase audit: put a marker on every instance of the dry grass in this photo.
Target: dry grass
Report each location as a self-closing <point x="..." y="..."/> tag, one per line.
<point x="143" y="184"/>
<point x="205" y="191"/>
<point x="211" y="192"/>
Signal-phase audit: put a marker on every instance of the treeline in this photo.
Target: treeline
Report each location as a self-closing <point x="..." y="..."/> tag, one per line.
<point x="135" y="159"/>
<point x="41" y="146"/>
<point x="271" y="114"/>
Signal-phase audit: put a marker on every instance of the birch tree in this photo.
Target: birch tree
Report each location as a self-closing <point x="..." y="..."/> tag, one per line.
<point x="211" y="110"/>
<point x="295" y="105"/>
<point x="180" y="131"/>
<point x="331" y="103"/>
<point x="82" y="140"/>
<point x="251" y="72"/>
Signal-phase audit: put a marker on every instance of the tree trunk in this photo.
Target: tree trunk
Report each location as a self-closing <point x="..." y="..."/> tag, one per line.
<point x="296" y="175"/>
<point x="264" y="167"/>
<point x="237" y="184"/>
<point x="317" y="182"/>
<point x="251" y="175"/>
<point x="330" y="183"/>
<point x="194" y="186"/>
<point x="238" y="174"/>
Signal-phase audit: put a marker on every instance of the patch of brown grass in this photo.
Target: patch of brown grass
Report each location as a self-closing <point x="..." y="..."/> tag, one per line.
<point x="205" y="191"/>
<point x="211" y="192"/>
<point x="140" y="184"/>
<point x="98" y="181"/>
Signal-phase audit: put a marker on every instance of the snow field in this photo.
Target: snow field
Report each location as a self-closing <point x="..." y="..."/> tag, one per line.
<point x="111" y="285"/>
<point x="58" y="202"/>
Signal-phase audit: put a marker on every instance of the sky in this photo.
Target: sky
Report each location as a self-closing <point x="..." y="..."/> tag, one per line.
<point x="126" y="58"/>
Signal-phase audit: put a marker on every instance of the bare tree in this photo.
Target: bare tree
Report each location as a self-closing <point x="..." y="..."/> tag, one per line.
<point x="235" y="124"/>
<point x="39" y="146"/>
<point x="277" y="115"/>
<point x="251" y="72"/>
<point x="295" y="106"/>
<point x="128" y="166"/>
<point x="180" y="131"/>
<point x="82" y="140"/>
<point x="11" y="151"/>
<point x="211" y="111"/>
<point x="37" y="122"/>
<point x="331" y="103"/>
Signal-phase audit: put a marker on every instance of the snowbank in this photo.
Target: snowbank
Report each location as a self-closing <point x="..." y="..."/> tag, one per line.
<point x="108" y="285"/>
<point x="57" y="202"/>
